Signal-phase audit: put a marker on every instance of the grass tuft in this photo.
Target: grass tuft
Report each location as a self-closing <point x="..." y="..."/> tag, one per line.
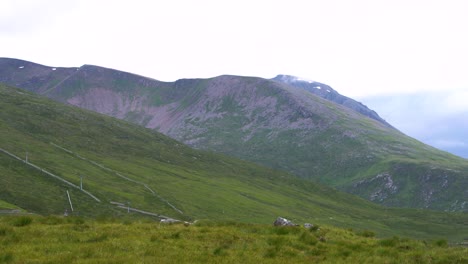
<point x="307" y="238"/>
<point x="366" y="233"/>
<point x="22" y="221"/>
<point x="98" y="238"/>
<point x="389" y="242"/>
<point x="441" y="243"/>
<point x="4" y="230"/>
<point x="52" y="220"/>
<point x="6" y="257"/>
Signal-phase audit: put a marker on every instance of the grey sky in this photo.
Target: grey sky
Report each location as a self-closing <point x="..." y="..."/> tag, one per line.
<point x="438" y="118"/>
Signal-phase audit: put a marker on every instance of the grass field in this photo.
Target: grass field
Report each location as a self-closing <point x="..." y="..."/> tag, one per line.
<point x="33" y="239"/>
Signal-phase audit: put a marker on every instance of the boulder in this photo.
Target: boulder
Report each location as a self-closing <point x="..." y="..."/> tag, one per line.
<point x="308" y="225"/>
<point x="280" y="221"/>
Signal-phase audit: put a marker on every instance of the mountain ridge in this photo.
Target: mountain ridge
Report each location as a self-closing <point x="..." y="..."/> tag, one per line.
<point x="278" y="125"/>
<point x="329" y="93"/>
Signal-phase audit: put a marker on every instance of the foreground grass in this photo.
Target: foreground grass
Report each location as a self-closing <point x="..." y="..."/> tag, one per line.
<point x="27" y="239"/>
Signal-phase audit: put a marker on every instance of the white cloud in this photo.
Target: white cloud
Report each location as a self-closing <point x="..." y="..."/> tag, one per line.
<point x="358" y="47"/>
<point x="22" y="17"/>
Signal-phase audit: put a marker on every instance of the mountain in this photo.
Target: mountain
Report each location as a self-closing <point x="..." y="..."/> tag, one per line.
<point x="329" y="93"/>
<point x="46" y="148"/>
<point x="269" y="122"/>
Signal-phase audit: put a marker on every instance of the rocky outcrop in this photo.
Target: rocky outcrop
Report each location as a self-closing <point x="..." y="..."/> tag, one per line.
<point x="280" y="221"/>
<point x="381" y="186"/>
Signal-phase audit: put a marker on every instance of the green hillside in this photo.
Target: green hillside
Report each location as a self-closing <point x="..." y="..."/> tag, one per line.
<point x="135" y="167"/>
<point x="7" y="206"/>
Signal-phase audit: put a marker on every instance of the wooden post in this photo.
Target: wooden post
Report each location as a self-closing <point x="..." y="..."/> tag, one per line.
<point x="81" y="182"/>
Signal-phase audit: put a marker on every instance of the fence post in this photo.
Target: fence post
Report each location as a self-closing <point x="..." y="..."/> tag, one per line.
<point x="69" y="200"/>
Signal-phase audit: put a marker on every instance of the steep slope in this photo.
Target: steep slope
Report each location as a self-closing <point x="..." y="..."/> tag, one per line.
<point x="125" y="165"/>
<point x="329" y="93"/>
<point x="279" y="125"/>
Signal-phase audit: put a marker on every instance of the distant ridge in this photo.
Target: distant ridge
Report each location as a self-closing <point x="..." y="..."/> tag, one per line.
<point x="284" y="124"/>
<point x="329" y="93"/>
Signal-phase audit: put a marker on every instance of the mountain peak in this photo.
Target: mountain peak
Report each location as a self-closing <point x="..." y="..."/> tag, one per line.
<point x="291" y="79"/>
<point x="326" y="92"/>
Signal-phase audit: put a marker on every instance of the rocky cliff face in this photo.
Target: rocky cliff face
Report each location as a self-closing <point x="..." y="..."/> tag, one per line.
<point x="284" y="124"/>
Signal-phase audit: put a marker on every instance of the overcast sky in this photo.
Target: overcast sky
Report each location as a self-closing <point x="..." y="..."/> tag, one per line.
<point x="361" y="48"/>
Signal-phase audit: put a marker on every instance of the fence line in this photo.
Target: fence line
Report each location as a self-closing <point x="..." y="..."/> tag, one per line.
<point x="50" y="174"/>
<point x="120" y="205"/>
<point x="118" y="174"/>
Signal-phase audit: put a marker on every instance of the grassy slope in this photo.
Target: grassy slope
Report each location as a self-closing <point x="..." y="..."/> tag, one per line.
<point x="72" y="240"/>
<point x="7" y="206"/>
<point x="341" y="149"/>
<point x="200" y="184"/>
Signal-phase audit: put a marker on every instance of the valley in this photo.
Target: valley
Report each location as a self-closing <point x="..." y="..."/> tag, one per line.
<point x="122" y="163"/>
